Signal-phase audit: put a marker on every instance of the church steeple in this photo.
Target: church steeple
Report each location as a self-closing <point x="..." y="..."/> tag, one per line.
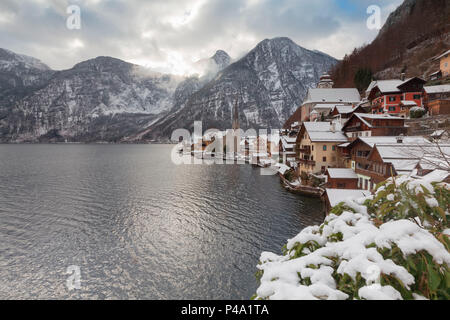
<point x="235" y="115"/>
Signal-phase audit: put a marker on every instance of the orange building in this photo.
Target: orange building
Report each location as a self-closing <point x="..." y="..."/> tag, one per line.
<point x="444" y="63"/>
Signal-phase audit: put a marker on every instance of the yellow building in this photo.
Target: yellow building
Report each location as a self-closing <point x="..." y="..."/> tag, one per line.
<point x="317" y="147"/>
<point x="444" y="63"/>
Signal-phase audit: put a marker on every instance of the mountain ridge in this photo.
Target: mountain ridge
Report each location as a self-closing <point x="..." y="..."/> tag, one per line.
<point x="108" y="99"/>
<point x="268" y="83"/>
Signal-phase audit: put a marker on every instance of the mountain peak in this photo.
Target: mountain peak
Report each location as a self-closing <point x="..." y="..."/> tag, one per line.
<point x="103" y="63"/>
<point x="221" y="58"/>
<point x="10" y="57"/>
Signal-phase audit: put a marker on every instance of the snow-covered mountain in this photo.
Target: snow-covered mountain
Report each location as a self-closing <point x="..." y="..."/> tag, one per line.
<point x="209" y="67"/>
<point x="19" y="74"/>
<point x="69" y="104"/>
<point x="107" y="99"/>
<point x="269" y="83"/>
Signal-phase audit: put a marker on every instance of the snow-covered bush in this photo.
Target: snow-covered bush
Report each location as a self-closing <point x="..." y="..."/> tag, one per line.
<point x="392" y="245"/>
<point x="416" y="112"/>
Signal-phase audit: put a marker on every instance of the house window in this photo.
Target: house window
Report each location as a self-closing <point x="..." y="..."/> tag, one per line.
<point x="392" y="99"/>
<point x="381" y="110"/>
<point x="333" y="148"/>
<point x="391" y="108"/>
<point x="324" y="147"/>
<point x="312" y="148"/>
<point x="324" y="159"/>
<point x="341" y="185"/>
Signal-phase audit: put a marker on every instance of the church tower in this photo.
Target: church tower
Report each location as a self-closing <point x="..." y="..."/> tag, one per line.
<point x="325" y="82"/>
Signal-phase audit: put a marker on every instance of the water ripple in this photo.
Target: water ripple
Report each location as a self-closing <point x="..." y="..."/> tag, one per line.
<point x="138" y="226"/>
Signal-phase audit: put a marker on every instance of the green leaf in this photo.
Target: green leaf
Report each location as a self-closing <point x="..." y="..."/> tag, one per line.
<point x="434" y="277"/>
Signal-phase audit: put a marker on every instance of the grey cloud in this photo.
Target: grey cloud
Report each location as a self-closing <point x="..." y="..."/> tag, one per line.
<point x="141" y="30"/>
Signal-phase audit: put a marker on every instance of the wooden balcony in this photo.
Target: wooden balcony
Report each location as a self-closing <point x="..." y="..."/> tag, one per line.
<point x="305" y="150"/>
<point x="307" y="162"/>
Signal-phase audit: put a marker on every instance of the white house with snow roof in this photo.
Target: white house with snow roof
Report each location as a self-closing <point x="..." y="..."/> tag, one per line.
<point x="329" y="97"/>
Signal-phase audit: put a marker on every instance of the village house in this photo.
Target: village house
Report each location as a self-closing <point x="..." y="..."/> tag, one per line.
<point x="439" y="107"/>
<point x="369" y="166"/>
<point x="319" y="96"/>
<point x="344" y="155"/>
<point x="367" y="125"/>
<point x="343" y="113"/>
<point x="316" y="147"/>
<point x="437" y="99"/>
<point x="322" y="111"/>
<point x="287" y="150"/>
<point x="432" y="93"/>
<point x="444" y="66"/>
<point x="341" y="178"/>
<point x="386" y="95"/>
<point x="326" y="95"/>
<point x="435" y="76"/>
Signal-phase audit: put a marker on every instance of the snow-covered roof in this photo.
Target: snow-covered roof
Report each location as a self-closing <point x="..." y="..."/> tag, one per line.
<point x="435" y="73"/>
<point x="282" y="168"/>
<point x="336" y="196"/>
<point x="327" y="105"/>
<point x="376" y="116"/>
<point x="344" y="109"/>
<point x="371" y="141"/>
<point x="320" y="95"/>
<point x="438" y="89"/>
<point x="389" y="85"/>
<point x="290" y="139"/>
<point x="437" y="175"/>
<point x="321" y="132"/>
<point x="404" y="165"/>
<point x="342" y="173"/>
<point x="442" y="55"/>
<point x="343" y="145"/>
<point x="405" y="157"/>
<point x="286" y="144"/>
<point x="317" y="126"/>
<point x="364" y="116"/>
<point x="408" y="103"/>
<point x="371" y="86"/>
<point x="328" y="136"/>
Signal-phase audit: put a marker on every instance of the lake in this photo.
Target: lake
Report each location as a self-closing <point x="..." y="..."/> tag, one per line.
<point x="136" y="225"/>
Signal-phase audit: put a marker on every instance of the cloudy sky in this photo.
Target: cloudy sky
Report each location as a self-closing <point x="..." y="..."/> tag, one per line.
<point x="168" y="35"/>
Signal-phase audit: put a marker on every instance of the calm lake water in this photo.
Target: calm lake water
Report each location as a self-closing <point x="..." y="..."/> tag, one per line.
<point x="138" y="226"/>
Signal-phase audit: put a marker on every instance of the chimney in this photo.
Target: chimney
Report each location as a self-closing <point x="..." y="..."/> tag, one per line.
<point x="333" y="127"/>
<point x="403" y="76"/>
<point x="400" y="138"/>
